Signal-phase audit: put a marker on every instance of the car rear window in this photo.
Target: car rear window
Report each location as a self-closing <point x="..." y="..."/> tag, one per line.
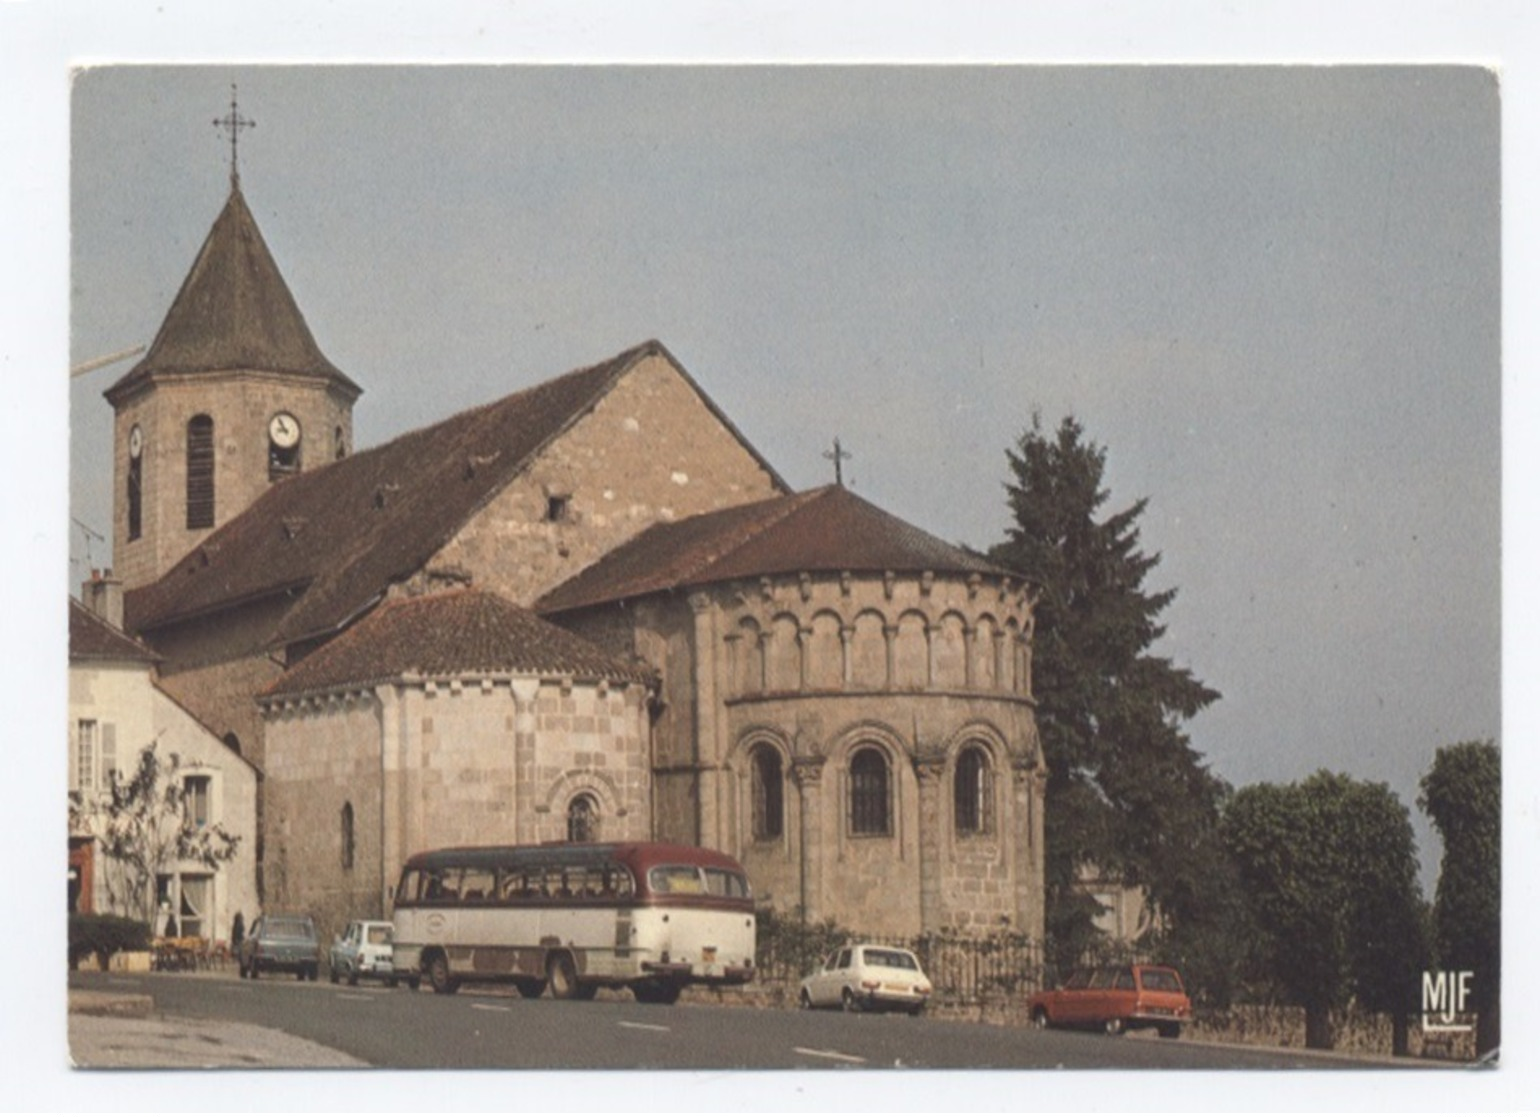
<point x="892" y="959"/>
<point x="288" y="929"/>
<point x="1160" y="981"/>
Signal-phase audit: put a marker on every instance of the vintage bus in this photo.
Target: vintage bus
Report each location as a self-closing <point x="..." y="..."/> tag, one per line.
<point x="575" y="918"/>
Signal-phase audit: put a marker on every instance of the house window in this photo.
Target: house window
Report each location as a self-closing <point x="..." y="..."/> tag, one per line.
<point x="200" y="472"/>
<point x="85" y="754"/>
<point x="96" y="756"/>
<point x="582" y="819"/>
<point x="971" y="792"/>
<point x="767" y="786"/>
<point x="869" y="808"/>
<point x="193" y="907"/>
<point x="196" y="801"/>
<point x="348" y="839"/>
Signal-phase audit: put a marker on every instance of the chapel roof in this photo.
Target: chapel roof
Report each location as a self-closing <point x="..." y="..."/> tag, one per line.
<point x="337" y="537"/>
<point x="234" y="312"/>
<point x="92" y="638"/>
<point x="826" y="530"/>
<point x="452" y="633"/>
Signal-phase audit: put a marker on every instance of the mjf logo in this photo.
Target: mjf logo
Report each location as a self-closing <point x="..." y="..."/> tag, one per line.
<point x="1445" y="994"/>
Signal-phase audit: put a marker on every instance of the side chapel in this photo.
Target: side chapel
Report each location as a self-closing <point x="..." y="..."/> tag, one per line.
<point x="588" y="610"/>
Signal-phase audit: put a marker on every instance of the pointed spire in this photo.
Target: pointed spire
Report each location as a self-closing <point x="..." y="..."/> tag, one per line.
<point x="234" y="311"/>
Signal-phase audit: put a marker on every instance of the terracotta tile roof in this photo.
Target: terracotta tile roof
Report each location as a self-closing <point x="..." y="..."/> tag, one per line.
<point x="820" y="531"/>
<point x="93" y="638"/>
<point x="337" y="537"/>
<point x="234" y="311"/>
<point x="454" y="633"/>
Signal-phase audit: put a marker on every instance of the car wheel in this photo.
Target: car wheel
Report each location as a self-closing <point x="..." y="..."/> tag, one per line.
<point x="438" y="975"/>
<point x="848" y="1001"/>
<point x="335" y="977"/>
<point x="314" y="972"/>
<point x="299" y="974"/>
<point x="352" y="976"/>
<point x="413" y="983"/>
<point x="803" y="1000"/>
<point x="1170" y="1031"/>
<point x="1040" y="1018"/>
<point x="241" y="966"/>
<point x="916" y="1010"/>
<point x="1114" y="1026"/>
<point x="390" y="983"/>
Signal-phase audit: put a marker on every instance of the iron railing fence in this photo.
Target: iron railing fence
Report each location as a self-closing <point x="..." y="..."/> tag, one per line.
<point x="962" y="967"/>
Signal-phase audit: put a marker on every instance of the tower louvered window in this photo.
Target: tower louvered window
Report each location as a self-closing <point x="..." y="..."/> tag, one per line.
<point x="200" y="472"/>
<point x="135" y="497"/>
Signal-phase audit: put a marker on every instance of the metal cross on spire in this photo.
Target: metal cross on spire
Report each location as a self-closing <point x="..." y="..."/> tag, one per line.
<point x="837" y="456"/>
<point x="233" y="122"/>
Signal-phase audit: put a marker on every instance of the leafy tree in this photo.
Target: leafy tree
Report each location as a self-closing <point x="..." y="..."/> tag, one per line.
<point x="1462" y="794"/>
<point x="1126" y="792"/>
<point x="1329" y="869"/>
<point x="144" y="829"/>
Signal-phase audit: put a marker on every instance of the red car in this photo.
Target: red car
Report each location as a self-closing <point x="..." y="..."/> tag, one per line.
<point x="1115" y="999"/>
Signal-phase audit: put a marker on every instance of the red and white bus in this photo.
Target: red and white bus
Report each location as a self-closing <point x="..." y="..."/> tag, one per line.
<point x="575" y="918"/>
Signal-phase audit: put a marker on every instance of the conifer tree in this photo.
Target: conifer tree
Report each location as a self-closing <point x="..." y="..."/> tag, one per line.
<point x="1127" y="794"/>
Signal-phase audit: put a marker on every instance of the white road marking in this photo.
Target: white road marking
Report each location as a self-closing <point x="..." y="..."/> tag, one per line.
<point x="644" y="1027"/>
<point x="492" y="1008"/>
<point x="354" y="997"/>
<point x="839" y="1055"/>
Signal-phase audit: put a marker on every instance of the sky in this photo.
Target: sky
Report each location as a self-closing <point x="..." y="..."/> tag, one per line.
<point x="1271" y="292"/>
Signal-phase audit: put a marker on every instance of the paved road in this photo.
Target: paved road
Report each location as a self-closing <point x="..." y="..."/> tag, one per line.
<point x="494" y="1028"/>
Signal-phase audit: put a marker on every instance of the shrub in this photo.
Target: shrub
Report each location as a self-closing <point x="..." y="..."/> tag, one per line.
<point x="104" y="936"/>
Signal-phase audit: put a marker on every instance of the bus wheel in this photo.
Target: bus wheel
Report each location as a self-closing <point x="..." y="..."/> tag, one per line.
<point x="562" y="975"/>
<point x="438" y="975"/>
<point x="656" y="992"/>
<point x="530" y="988"/>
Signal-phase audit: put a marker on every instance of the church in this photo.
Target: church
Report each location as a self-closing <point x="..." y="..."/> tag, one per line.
<point x="589" y="610"/>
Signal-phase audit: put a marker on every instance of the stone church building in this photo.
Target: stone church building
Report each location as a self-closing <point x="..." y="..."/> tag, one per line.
<point x="587" y="610"/>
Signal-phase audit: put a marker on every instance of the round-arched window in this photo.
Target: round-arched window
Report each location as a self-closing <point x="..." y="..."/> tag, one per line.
<point x="583" y="818"/>
<point x="870" y="811"/>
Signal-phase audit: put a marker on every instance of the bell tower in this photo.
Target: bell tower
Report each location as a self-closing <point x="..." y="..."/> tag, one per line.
<point x="232" y="397"/>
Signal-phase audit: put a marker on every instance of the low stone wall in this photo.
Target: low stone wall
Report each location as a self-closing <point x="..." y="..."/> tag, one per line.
<point x="1358" y="1033"/>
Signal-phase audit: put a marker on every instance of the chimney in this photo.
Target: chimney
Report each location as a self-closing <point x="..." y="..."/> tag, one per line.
<point x="103" y="595"/>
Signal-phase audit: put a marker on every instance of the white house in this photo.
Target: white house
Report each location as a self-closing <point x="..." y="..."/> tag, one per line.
<point x="116" y="710"/>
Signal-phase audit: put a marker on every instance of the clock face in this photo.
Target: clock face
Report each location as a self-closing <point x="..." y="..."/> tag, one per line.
<point x="283" y="429"/>
<point x="135" y="442"/>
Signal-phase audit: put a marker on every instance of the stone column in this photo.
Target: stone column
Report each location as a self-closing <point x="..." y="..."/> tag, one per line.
<point x="804" y="652"/>
<point x="525" y="720"/>
<point x="1028" y="783"/>
<point x="930" y="771"/>
<point x="708" y="753"/>
<point x="807" y="772"/>
<point x="847" y="669"/>
<point x="969" y="634"/>
<point x="889" y="637"/>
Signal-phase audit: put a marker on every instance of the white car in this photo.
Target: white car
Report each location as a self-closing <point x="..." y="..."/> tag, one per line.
<point x="865" y="977"/>
<point x="363" y="950"/>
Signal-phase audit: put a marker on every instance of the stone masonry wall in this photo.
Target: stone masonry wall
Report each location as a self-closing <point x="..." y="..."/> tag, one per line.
<point x="240" y="404"/>
<point x="650" y="451"/>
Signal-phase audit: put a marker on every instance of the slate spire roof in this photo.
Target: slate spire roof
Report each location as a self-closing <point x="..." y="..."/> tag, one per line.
<point x="451" y="634"/>
<point x="234" y="312"/>
<point x="826" y="530"/>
